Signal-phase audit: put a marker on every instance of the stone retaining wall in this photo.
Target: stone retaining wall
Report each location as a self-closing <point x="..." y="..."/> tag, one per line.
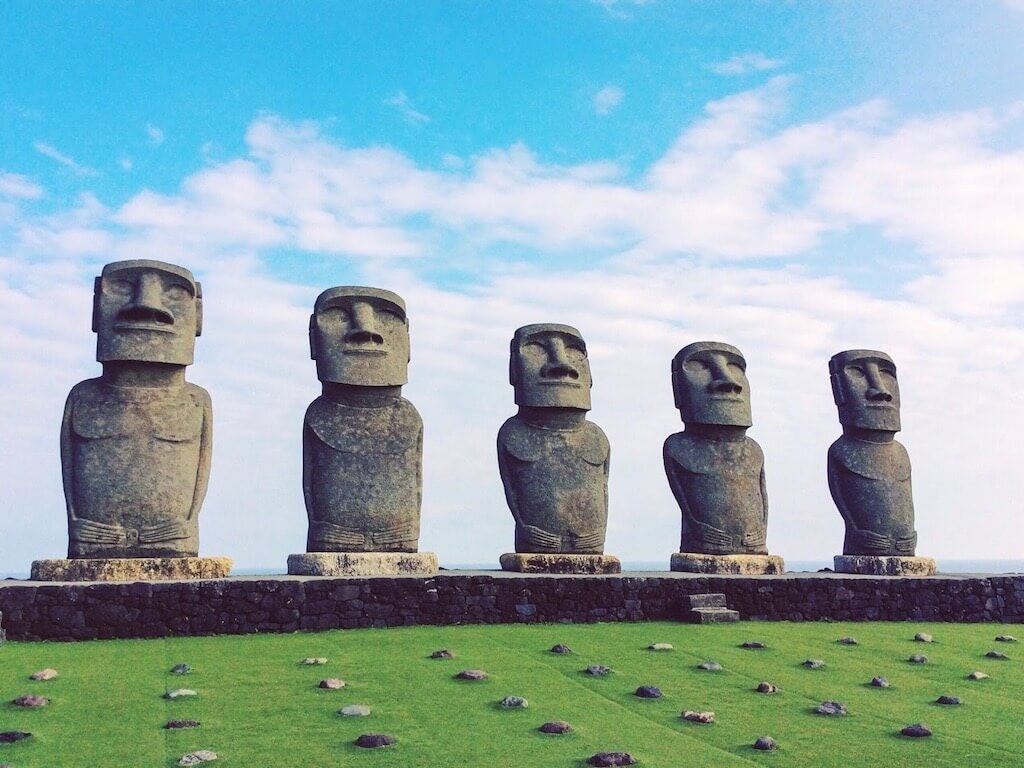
<point x="240" y="605"/>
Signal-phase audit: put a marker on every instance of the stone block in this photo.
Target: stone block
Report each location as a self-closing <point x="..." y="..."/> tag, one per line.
<point x="885" y="565"/>
<point x="363" y="564"/>
<point x="131" y="569"/>
<point x="714" y="615"/>
<point x="529" y="562"/>
<point x="738" y="565"/>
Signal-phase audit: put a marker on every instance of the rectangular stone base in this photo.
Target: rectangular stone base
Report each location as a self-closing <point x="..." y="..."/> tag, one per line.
<point x="131" y="569"/>
<point x="738" y="565"/>
<point x="362" y="564"/>
<point x="879" y="565"/>
<point x="535" y="562"/>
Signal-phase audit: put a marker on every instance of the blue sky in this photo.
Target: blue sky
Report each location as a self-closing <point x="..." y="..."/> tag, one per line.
<point x="794" y="178"/>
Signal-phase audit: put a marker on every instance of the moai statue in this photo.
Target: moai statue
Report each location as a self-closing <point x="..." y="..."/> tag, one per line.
<point x="135" y="443"/>
<point x="869" y="471"/>
<point x="553" y="462"/>
<point x="362" y="442"/>
<point x="715" y="471"/>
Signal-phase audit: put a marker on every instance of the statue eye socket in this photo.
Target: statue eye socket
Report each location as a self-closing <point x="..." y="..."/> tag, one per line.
<point x="333" y="316"/>
<point x="119" y="288"/>
<point x="575" y="352"/>
<point x="855" y="370"/>
<point x="695" y="366"/>
<point x="534" y="351"/>
<point x="177" y="292"/>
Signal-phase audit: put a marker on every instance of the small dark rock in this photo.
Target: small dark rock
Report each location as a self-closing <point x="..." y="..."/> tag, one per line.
<point x="753" y="645"/>
<point x="355" y="710"/>
<point x="703" y="718"/>
<point x="658" y="647"/>
<point x="612" y="758"/>
<point x="31" y="700"/>
<point x="181" y="669"/>
<point x="444" y="653"/>
<point x="765" y="743"/>
<point x="179" y="693"/>
<point x="648" y="692"/>
<point x="332" y="684"/>
<point x="924" y="637"/>
<point x="561" y="648"/>
<point x="977" y="676"/>
<point x="953" y="701"/>
<point x="765" y="687"/>
<point x="710" y="666"/>
<point x="374" y="740"/>
<point x="997" y="655"/>
<point x="847" y="641"/>
<point x="44" y="674"/>
<point x="597" y="670"/>
<point x="880" y="682"/>
<point x="314" y="661"/>
<point x="1006" y="639"/>
<point x="555" y="726"/>
<point x="813" y="663"/>
<point x="917" y="730"/>
<point x="513" y="702"/>
<point x="472" y="674"/>
<point x="918" y="658"/>
<point x="172" y="724"/>
<point x="9" y="737"/>
<point x="831" y="708"/>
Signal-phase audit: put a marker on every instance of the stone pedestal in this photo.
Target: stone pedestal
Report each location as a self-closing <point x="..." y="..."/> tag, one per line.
<point x="532" y="562"/>
<point x="362" y="564"/>
<point x="131" y="569"/>
<point x="738" y="565"/>
<point x="877" y="565"/>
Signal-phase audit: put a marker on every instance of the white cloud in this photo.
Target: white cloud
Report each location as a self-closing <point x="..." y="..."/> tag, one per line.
<point x="54" y="154"/>
<point x="400" y="101"/>
<point x="607" y="99"/>
<point x="20" y="187"/>
<point x="156" y="136"/>
<point x="745" y="63"/>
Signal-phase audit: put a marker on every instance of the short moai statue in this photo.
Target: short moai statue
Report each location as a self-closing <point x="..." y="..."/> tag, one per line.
<point x="869" y="471"/>
<point x="135" y="443"/>
<point x="362" y="442"/>
<point x="715" y="471"/>
<point x="553" y="462"/>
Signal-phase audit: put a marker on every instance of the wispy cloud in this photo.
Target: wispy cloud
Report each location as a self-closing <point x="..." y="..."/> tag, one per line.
<point x="20" y="187"/>
<point x="745" y="63"/>
<point x="156" y="136"/>
<point x="619" y="9"/>
<point x="607" y="99"/>
<point x="54" y="154"/>
<point x="400" y="101"/>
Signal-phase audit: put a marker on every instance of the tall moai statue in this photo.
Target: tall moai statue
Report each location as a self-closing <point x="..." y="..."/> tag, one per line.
<point x="362" y="442"/>
<point x="553" y="462"/>
<point x="869" y="471"/>
<point x="135" y="443"/>
<point x="715" y="471"/>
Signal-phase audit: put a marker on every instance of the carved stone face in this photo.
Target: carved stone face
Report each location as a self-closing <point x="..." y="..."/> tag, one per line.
<point x="865" y="389"/>
<point x="709" y="381"/>
<point x="548" y="367"/>
<point x="360" y="336"/>
<point x="148" y="311"/>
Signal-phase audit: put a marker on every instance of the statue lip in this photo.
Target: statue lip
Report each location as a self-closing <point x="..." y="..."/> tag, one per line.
<point x="363" y="351"/>
<point x="142" y="325"/>
<point x="727" y="398"/>
<point x="882" y="406"/>
<point x="560" y="383"/>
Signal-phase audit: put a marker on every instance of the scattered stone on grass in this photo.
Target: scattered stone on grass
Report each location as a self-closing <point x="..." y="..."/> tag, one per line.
<point x="977" y="675"/>
<point x="698" y="717"/>
<point x="31" y="700"/>
<point x="953" y="701"/>
<point x="997" y="655"/>
<point x="765" y="687"/>
<point x="917" y="730"/>
<point x="1006" y="639"/>
<point x="710" y="666"/>
<point x="561" y="648"/>
<point x="765" y="743"/>
<point x="555" y="726"/>
<point x="472" y="674"/>
<point x="831" y="708"/>
<point x="444" y="653"/>
<point x="198" y="757"/>
<point x="171" y="725"/>
<point x="653" y="647"/>
<point x="648" y="692"/>
<point x="813" y="663"/>
<point x="374" y="740"/>
<point x="181" y="669"/>
<point x="331" y="684"/>
<point x="879" y="682"/>
<point x="918" y="658"/>
<point x="514" y="702"/>
<point x="355" y="710"/>
<point x="9" y="737"/>
<point x="924" y="637"/>
<point x="597" y="670"/>
<point x="847" y="641"/>
<point x="611" y="759"/>
<point x="314" y="661"/>
<point x="44" y="674"/>
<point x="753" y="645"/>
<point x="179" y="693"/>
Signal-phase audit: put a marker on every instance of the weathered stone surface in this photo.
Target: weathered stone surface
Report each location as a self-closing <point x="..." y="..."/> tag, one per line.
<point x="710" y="666"/>
<point x="597" y="670"/>
<point x="704" y="718"/>
<point x="362" y="441"/>
<point x="997" y="655"/>
<point x="362" y="564"/>
<point x="443" y="653"/>
<point x="31" y="701"/>
<point x="179" y="693"/>
<point x="753" y="645"/>
<point x="765" y="743"/>
<point x="513" y="702"/>
<point x="923" y="637"/>
<point x="472" y="674"/>
<point x="918" y="730"/>
<point x="831" y="708"/>
<point x="355" y="710"/>
<point x="556" y="727"/>
<point x="977" y="675"/>
<point x="660" y="647"/>
<point x="813" y="663"/>
<point x="611" y="759"/>
<point x="131" y="569"/>
<point x="561" y="648"/>
<point x="953" y="701"/>
<point x="739" y="565"/>
<point x="765" y="687"/>
<point x="847" y="641"/>
<point x="314" y="661"/>
<point x="875" y="565"/>
<point x="135" y="443"/>
<point x="647" y="692"/>
<point x="176" y="724"/>
<point x="868" y="471"/>
<point x="198" y="757"/>
<point x="917" y="658"/>
<point x="9" y="737"/>
<point x="331" y="684"/>
<point x="523" y="562"/>
<point x="181" y="669"/>
<point x="879" y="682"/>
<point x="44" y="674"/>
<point x="374" y="740"/>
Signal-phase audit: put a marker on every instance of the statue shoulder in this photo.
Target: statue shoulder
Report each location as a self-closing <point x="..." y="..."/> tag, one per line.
<point x="393" y="428"/>
<point x="198" y="396"/>
<point x="874" y="461"/>
<point x="687" y="452"/>
<point x="596" y="447"/>
<point x="519" y="439"/>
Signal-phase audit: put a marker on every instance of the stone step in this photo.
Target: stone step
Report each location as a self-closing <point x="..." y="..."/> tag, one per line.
<point x="708" y="600"/>
<point x="714" y="615"/>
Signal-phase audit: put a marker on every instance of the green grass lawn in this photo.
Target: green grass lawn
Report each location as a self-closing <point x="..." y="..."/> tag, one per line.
<point x="259" y="706"/>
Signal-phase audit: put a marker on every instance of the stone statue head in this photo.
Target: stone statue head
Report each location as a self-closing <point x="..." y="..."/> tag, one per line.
<point x="548" y="367"/>
<point x="709" y="381"/>
<point x="148" y="311"/>
<point x="865" y="389"/>
<point x="360" y="336"/>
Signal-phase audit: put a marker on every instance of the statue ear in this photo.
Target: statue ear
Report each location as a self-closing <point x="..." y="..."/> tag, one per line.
<point x="96" y="289"/>
<point x="837" y="388"/>
<point x="199" y="309"/>
<point x="677" y="395"/>
<point x="312" y="337"/>
<point x="408" y="336"/>
<point x="512" y="363"/>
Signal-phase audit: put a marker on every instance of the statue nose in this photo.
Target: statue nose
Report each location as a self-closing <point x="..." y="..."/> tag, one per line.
<point x="876" y="395"/>
<point x="725" y="387"/>
<point x="361" y="336"/>
<point x="559" y="371"/>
